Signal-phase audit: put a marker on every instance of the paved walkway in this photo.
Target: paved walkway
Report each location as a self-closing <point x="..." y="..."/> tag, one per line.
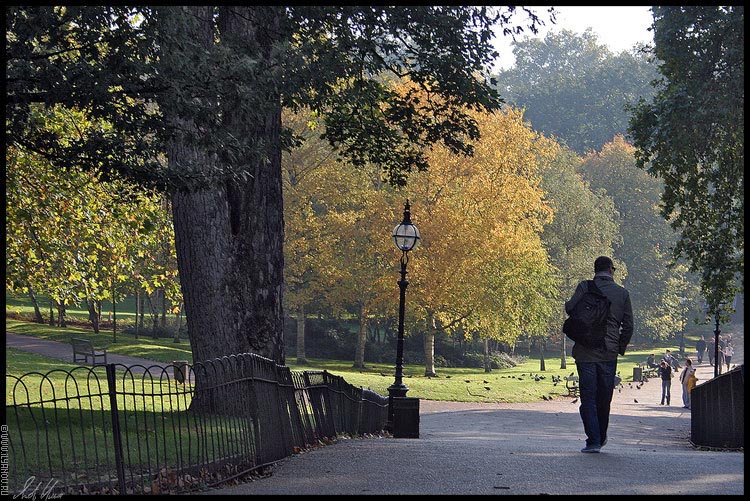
<point x="531" y="448"/>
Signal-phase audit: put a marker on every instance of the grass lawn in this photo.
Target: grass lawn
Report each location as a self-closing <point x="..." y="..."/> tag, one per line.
<point x="62" y="426"/>
<point x="508" y="385"/>
<point x="160" y="350"/>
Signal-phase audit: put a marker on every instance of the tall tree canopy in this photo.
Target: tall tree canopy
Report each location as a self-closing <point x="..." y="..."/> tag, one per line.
<point x="692" y="136"/>
<point x="574" y="88"/>
<point x="660" y="293"/>
<point x="194" y="97"/>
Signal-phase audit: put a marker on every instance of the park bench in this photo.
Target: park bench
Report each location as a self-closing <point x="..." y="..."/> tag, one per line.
<point x="84" y="348"/>
<point x="571" y="384"/>
<point x="646" y="370"/>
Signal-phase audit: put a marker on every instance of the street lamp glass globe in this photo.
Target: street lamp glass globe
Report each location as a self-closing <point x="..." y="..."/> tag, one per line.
<point x="406" y="236"/>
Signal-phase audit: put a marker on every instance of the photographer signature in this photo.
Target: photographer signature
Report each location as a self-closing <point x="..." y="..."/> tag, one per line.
<point x="32" y="488"/>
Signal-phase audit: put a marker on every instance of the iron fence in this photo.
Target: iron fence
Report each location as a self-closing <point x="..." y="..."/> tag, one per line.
<point x="718" y="411"/>
<point x="155" y="430"/>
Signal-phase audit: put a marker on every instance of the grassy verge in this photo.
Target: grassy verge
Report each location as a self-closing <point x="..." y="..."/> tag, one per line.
<point x="160" y="350"/>
<point x="60" y="423"/>
<point x="510" y="385"/>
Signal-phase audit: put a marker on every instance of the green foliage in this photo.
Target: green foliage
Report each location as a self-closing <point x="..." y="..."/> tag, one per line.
<point x="133" y="65"/>
<point x="661" y="293"/>
<point x="574" y="88"/>
<point x="691" y="135"/>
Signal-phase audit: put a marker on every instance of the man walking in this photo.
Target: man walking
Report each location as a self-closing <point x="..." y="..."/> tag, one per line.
<point x="597" y="365"/>
<point x="700" y="347"/>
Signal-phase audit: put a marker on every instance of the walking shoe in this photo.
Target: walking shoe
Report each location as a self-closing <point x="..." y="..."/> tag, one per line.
<point x="592" y="448"/>
<point x="604" y="442"/>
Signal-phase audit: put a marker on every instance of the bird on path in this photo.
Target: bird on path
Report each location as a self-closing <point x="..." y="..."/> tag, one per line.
<point x="635" y="400"/>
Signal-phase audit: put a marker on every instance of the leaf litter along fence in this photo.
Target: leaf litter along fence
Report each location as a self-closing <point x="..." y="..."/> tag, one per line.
<point x="154" y="430"/>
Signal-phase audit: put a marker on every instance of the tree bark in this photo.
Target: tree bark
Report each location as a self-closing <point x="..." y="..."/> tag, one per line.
<point x="541" y="356"/>
<point x="229" y="236"/>
<point x="487" y="364"/>
<point x="137" y="301"/>
<point x="359" y="357"/>
<point x="93" y="316"/>
<point x="61" y="315"/>
<point x="429" y="348"/>
<point x="38" y="318"/>
<point x="301" y="318"/>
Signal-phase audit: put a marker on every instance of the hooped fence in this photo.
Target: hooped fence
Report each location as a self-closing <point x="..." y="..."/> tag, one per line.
<point x="154" y="430"/>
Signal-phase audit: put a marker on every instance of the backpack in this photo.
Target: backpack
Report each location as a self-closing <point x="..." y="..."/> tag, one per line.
<point x="587" y="323"/>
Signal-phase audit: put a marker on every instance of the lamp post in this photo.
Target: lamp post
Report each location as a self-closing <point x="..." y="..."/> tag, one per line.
<point x="406" y="238"/>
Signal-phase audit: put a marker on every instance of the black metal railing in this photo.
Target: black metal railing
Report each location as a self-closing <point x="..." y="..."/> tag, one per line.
<point x="154" y="430"/>
<point x="718" y="411"/>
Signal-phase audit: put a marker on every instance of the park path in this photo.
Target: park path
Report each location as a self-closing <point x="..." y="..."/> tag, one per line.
<point x="496" y="448"/>
<point x="530" y="448"/>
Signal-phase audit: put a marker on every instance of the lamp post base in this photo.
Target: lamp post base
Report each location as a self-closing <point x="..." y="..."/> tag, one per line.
<point x="394" y="390"/>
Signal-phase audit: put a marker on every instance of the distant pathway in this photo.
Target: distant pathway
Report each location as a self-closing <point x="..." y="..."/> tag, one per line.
<point x="64" y="352"/>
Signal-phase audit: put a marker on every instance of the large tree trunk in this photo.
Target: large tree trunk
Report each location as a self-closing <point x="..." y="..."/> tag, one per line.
<point x="229" y="236"/>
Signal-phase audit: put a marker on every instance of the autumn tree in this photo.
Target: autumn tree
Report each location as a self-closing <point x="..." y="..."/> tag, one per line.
<point x="71" y="235"/>
<point x="691" y="135"/>
<point x="646" y="243"/>
<point x="194" y="95"/>
<point x="583" y="226"/>
<point x="480" y="219"/>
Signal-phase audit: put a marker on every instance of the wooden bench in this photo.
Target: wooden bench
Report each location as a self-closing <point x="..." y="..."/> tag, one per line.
<point x="647" y="371"/>
<point x="84" y="348"/>
<point x="571" y="384"/>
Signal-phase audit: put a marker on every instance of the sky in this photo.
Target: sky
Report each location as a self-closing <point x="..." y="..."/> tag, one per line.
<point x="617" y="27"/>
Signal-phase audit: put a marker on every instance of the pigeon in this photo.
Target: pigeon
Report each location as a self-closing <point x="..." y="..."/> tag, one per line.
<point x="487" y="388"/>
<point x="485" y="382"/>
<point x="447" y="377"/>
<point x="469" y="381"/>
<point x="635" y="400"/>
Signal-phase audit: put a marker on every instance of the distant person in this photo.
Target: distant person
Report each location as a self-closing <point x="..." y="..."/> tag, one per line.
<point x="720" y="354"/>
<point x="700" y="347"/>
<point x="711" y="350"/>
<point x="597" y="365"/>
<point x="650" y="362"/>
<point x="665" y="372"/>
<point x="685" y="379"/>
<point x="728" y="354"/>
<point x="671" y="360"/>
